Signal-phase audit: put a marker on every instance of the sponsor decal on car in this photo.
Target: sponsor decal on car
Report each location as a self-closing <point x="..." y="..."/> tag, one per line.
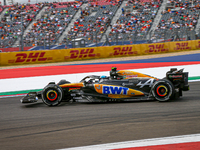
<point x="129" y="76"/>
<point x="70" y="89"/>
<point x="175" y="76"/>
<point x="116" y="90"/>
<point x="127" y="84"/>
<point x="147" y="83"/>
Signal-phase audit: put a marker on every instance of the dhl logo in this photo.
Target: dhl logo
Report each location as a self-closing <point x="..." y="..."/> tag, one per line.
<point x="182" y="46"/>
<point x="84" y="53"/>
<point x="156" y="48"/>
<point x="31" y="57"/>
<point x="118" y="51"/>
<point x="198" y="45"/>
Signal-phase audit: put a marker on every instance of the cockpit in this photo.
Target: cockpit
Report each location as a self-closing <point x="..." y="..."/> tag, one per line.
<point x="98" y="79"/>
<point x="94" y="79"/>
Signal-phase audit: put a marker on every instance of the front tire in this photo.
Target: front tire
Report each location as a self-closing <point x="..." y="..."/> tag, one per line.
<point x="52" y="95"/>
<point x="163" y="90"/>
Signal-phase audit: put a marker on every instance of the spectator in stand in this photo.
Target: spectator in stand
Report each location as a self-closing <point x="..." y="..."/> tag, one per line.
<point x="185" y="16"/>
<point x="51" y="25"/>
<point x="95" y="19"/>
<point x="11" y="28"/>
<point x="140" y="20"/>
<point x="122" y="10"/>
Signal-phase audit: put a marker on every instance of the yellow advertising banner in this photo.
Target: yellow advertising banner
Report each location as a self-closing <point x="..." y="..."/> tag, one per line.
<point x="154" y="48"/>
<point x="123" y="50"/>
<point x="62" y="55"/>
<point x="28" y="57"/>
<point x="178" y="46"/>
<point x="105" y="51"/>
<point x="196" y="44"/>
<point x="80" y="53"/>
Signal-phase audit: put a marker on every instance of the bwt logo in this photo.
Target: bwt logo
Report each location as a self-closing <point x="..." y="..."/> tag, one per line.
<point x="31" y="57"/>
<point x="115" y="90"/>
<point x="81" y="54"/>
<point x="182" y="46"/>
<point x="123" y="51"/>
<point x="156" y="48"/>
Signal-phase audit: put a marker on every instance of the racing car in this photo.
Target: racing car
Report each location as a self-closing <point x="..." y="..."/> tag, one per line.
<point x="121" y="85"/>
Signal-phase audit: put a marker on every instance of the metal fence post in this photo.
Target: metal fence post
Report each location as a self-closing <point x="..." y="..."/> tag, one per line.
<point x="96" y="38"/>
<point x="44" y="43"/>
<point x="22" y="41"/>
<point x="135" y="35"/>
<point x="164" y="35"/>
<point x="49" y="41"/>
<point x="116" y="36"/>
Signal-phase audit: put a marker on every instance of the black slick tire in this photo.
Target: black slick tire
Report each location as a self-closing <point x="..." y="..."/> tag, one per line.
<point x="163" y="90"/>
<point x="52" y="95"/>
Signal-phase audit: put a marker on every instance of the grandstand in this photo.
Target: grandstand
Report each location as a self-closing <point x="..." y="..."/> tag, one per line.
<point x="55" y="25"/>
<point x="50" y="26"/>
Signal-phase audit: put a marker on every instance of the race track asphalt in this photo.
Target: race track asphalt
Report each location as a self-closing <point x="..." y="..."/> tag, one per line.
<point x="37" y="126"/>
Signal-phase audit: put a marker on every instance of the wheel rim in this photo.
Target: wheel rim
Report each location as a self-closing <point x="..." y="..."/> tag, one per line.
<point x="52" y="95"/>
<point x="162" y="90"/>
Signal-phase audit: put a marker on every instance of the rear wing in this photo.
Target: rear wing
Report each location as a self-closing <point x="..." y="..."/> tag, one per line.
<point x="178" y="78"/>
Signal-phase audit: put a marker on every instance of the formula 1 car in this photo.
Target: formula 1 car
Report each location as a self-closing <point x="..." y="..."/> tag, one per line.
<point x="121" y="85"/>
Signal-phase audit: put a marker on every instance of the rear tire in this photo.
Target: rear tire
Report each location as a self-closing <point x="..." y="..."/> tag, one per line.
<point x="163" y="90"/>
<point x="52" y="95"/>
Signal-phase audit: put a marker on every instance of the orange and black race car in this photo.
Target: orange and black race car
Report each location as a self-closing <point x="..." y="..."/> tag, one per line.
<point x="121" y="85"/>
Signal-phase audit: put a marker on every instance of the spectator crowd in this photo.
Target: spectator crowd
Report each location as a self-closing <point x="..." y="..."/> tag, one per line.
<point x="137" y="17"/>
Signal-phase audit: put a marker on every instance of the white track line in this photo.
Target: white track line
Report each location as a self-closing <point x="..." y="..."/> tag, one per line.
<point x="141" y="143"/>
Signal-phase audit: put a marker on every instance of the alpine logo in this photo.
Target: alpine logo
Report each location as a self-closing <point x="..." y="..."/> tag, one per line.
<point x="148" y="83"/>
<point x="115" y="90"/>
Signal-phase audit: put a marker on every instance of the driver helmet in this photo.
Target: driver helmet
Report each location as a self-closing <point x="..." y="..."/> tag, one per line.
<point x="103" y="77"/>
